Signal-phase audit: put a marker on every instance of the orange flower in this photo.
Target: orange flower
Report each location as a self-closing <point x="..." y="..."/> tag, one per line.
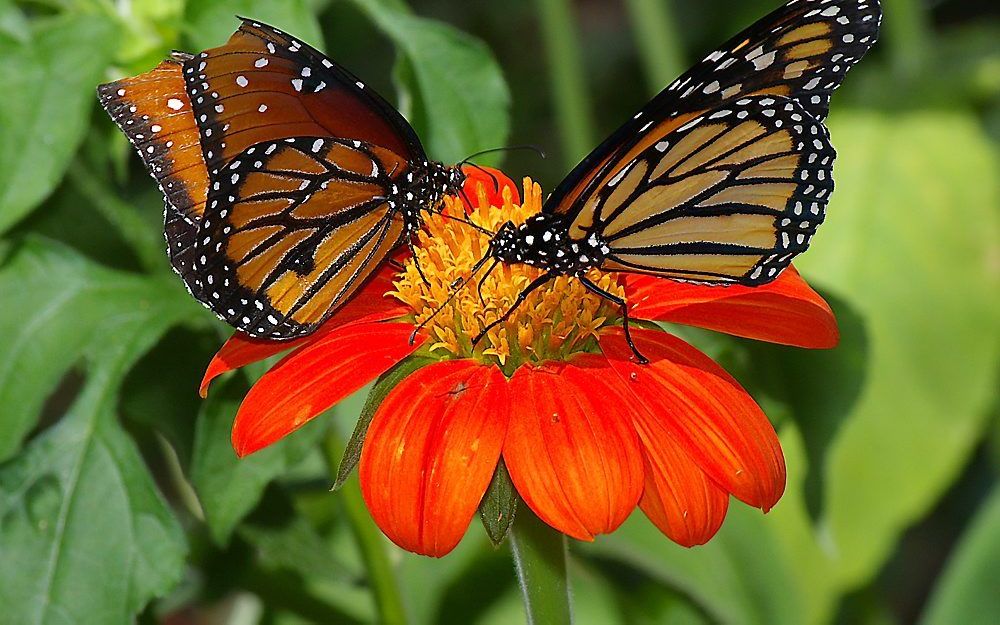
<point x="585" y="432"/>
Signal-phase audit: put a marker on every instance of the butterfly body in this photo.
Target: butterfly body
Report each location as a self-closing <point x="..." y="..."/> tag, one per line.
<point x="544" y="241"/>
<point x="722" y="178"/>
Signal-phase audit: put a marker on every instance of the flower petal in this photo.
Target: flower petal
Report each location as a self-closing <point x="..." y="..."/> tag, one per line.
<point x="317" y="376"/>
<point x="431" y="451"/>
<point x="493" y="182"/>
<point x="571" y="449"/>
<point x="786" y="311"/>
<point x="369" y="304"/>
<point x="678" y="497"/>
<point x="705" y="410"/>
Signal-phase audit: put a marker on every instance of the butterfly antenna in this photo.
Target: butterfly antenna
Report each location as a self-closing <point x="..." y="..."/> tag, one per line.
<point x="456" y="287"/>
<point x="496" y="182"/>
<point x="472" y="225"/>
<point x="510" y="148"/>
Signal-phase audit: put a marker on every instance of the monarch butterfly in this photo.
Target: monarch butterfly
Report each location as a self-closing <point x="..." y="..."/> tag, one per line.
<point x="722" y="178"/>
<point x="287" y="180"/>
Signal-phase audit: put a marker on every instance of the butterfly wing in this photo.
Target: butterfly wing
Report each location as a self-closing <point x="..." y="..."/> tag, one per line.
<point x="264" y="85"/>
<point x="802" y="51"/>
<point x="301" y="158"/>
<point x="293" y="228"/>
<point x="154" y="112"/>
<point x="729" y="197"/>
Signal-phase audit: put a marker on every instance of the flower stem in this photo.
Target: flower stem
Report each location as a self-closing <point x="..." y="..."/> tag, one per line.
<point x="908" y="34"/>
<point x="381" y="576"/>
<point x="656" y="35"/>
<point x="541" y="560"/>
<point x="576" y="125"/>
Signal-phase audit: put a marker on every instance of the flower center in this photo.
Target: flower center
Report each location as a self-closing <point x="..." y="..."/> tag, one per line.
<point x="556" y="320"/>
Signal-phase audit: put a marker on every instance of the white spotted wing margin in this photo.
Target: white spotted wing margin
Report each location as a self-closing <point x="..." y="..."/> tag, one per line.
<point x="290" y="233"/>
<point x="731" y="197"/>
<point x="802" y="50"/>
<point x="804" y="47"/>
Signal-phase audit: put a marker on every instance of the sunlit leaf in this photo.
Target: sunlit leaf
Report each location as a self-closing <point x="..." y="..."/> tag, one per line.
<point x="49" y="82"/>
<point x="209" y="24"/>
<point x="910" y="244"/>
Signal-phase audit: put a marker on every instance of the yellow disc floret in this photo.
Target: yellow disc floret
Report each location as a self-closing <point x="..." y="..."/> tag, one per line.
<point x="556" y="320"/>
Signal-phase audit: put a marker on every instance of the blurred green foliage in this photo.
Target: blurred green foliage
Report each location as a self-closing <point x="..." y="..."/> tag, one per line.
<point x="121" y="499"/>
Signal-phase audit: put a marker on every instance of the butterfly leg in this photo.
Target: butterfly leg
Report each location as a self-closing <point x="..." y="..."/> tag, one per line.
<point x="416" y="259"/>
<point x="623" y="307"/>
<point x="523" y="295"/>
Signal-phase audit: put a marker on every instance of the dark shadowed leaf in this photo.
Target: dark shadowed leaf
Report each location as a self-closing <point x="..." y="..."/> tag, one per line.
<point x="967" y="592"/>
<point x="229" y="487"/>
<point x="451" y="86"/>
<point x="65" y="307"/>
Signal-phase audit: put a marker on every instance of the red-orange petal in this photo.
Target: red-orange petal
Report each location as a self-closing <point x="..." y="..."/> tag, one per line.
<point x="705" y="410"/>
<point x="431" y="451"/>
<point x="493" y="182"/>
<point x="315" y="377"/>
<point x="571" y="449"/>
<point x="678" y="497"/>
<point x="786" y="311"/>
<point x="369" y="304"/>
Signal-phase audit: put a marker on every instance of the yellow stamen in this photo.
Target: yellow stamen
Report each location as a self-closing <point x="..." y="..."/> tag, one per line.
<point x="558" y="319"/>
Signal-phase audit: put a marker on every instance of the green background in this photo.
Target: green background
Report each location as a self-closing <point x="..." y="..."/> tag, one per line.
<point x="121" y="499"/>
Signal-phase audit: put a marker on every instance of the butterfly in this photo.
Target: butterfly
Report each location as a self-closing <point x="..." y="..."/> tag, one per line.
<point x="287" y="181"/>
<point x="721" y="179"/>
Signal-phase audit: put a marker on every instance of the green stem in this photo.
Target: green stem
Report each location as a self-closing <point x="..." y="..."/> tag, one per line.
<point x="541" y="560"/>
<point x="656" y="35"/>
<point x="370" y="541"/>
<point x="576" y="126"/>
<point x="908" y="34"/>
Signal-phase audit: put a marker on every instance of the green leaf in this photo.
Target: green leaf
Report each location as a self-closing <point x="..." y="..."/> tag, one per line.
<point x="66" y="307"/>
<point x="499" y="505"/>
<point x="378" y="392"/>
<point x="967" y="592"/>
<point x="907" y="243"/>
<point x="49" y="84"/>
<point x="228" y="486"/>
<point x="85" y="535"/>
<point x="452" y="88"/>
<point x="294" y="545"/>
<point x="209" y="24"/>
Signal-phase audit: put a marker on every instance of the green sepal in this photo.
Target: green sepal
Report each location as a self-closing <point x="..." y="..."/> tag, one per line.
<point x="499" y="505"/>
<point x="386" y="382"/>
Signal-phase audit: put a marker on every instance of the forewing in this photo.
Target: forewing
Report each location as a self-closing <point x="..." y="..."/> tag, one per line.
<point x="265" y="85"/>
<point x="292" y="229"/>
<point x="802" y="50"/>
<point x="154" y="112"/>
<point x="730" y="197"/>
